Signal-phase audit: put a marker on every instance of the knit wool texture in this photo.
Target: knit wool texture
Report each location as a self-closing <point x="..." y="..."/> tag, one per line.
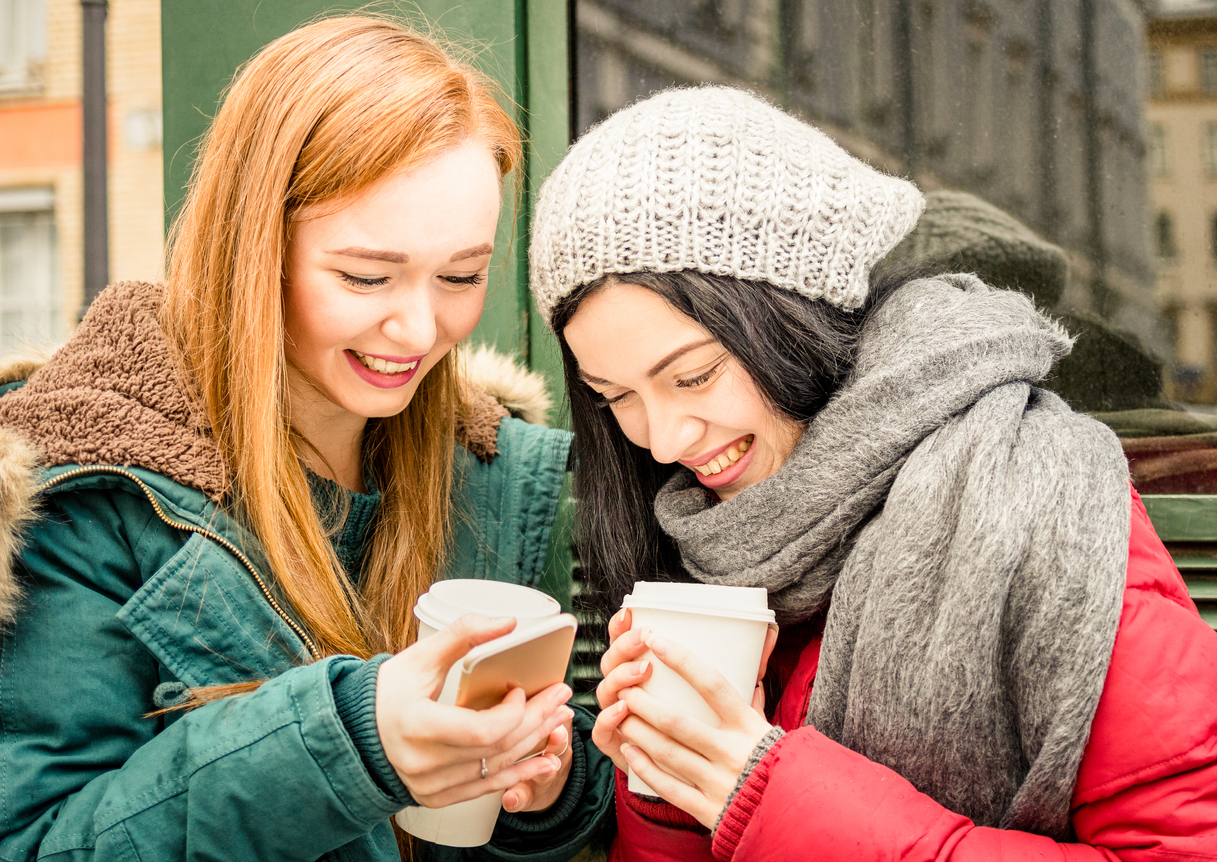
<point x="716" y="180"/>
<point x="972" y="532"/>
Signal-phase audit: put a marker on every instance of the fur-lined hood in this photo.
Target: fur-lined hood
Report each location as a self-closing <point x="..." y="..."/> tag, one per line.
<point x="114" y="395"/>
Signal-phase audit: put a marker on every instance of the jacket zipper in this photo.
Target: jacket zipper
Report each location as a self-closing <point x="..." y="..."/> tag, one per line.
<point x="191" y="528"/>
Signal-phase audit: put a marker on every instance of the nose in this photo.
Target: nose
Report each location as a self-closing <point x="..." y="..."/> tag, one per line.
<point x="409" y="318"/>
<point x="671" y="432"/>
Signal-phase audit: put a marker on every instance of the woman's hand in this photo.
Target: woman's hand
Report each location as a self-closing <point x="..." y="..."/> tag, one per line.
<point x="543" y="791"/>
<point x="621" y="670"/>
<point x="688" y="763"/>
<point x="438" y="750"/>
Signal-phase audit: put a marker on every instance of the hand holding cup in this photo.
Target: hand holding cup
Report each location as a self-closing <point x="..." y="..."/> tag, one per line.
<point x="438" y="749"/>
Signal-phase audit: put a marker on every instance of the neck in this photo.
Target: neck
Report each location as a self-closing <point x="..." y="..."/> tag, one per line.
<point x="333" y="438"/>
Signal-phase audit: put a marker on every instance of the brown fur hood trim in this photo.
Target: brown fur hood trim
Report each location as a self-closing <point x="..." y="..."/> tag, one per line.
<point x="495" y="387"/>
<point x="114" y="395"/>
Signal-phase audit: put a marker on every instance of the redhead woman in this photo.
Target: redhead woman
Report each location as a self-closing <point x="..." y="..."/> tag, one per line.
<point x="985" y="652"/>
<point x="223" y="496"/>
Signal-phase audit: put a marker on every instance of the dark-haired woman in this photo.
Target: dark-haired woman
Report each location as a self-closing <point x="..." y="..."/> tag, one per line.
<point x="985" y="650"/>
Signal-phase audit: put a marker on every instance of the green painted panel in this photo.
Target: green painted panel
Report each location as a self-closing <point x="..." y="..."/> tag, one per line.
<point x="1183" y="517"/>
<point x="203" y="42"/>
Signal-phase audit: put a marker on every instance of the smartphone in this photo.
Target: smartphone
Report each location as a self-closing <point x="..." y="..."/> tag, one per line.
<point x="533" y="657"/>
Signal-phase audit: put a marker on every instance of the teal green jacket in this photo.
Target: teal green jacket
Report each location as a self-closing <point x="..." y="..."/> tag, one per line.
<point x="123" y="582"/>
<point x="136" y="586"/>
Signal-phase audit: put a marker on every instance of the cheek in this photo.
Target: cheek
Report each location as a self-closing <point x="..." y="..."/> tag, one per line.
<point x="633" y="424"/>
<point x="458" y="314"/>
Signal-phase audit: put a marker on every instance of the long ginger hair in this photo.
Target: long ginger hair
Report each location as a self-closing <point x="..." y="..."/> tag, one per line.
<point x="317" y="116"/>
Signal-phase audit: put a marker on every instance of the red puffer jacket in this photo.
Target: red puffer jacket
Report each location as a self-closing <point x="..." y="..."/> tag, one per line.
<point x="1146" y="790"/>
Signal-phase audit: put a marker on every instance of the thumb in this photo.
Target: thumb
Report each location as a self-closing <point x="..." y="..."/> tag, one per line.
<point x="448" y="646"/>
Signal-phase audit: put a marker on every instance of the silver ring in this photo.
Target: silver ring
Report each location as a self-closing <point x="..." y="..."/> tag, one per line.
<point x="485" y="771"/>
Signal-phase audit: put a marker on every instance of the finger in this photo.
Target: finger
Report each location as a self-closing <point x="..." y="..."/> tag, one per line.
<point x="449" y="645"/>
<point x="473" y="732"/>
<point x="532" y="769"/>
<point x="604" y="732"/>
<point x="623" y="676"/>
<point x="706" y="681"/>
<point x="542" y="713"/>
<point x="558" y="743"/>
<point x="619" y="624"/>
<point x="671" y="789"/>
<point x="758" y="700"/>
<point x="662" y="729"/>
<point x="771" y="640"/>
<point x="518" y="797"/>
<point x="629" y="647"/>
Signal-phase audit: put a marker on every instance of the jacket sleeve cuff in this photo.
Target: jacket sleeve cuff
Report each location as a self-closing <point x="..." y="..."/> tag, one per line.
<point x="744" y="800"/>
<point x="354" y="683"/>
<point x="654" y="810"/>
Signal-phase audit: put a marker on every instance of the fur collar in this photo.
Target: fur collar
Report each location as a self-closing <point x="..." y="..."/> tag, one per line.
<point x="113" y="395"/>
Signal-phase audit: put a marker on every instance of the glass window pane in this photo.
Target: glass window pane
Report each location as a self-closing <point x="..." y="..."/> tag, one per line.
<point x="1030" y="106"/>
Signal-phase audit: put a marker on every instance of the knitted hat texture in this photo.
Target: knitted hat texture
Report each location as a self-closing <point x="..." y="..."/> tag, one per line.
<point x="716" y="180"/>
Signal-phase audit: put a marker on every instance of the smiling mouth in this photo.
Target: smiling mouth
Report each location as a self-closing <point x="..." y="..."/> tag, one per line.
<point x="383" y="366"/>
<point x="725" y="459"/>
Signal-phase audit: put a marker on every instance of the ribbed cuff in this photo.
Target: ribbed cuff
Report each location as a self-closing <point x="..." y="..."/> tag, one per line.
<point x="355" y="700"/>
<point x="745" y="799"/>
<point x="556" y="814"/>
<point x="656" y="810"/>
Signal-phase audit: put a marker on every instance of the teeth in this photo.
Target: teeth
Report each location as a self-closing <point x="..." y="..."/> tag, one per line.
<point x="725" y="459"/>
<point x="381" y="365"/>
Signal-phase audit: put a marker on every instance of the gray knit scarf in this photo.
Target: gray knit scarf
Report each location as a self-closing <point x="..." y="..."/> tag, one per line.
<point x="972" y="532"/>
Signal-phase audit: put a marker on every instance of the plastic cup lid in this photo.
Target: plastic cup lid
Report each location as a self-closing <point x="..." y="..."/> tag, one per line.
<point x="448" y="599"/>
<point x="746" y="603"/>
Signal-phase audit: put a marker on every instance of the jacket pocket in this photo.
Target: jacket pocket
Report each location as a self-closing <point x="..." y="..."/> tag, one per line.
<point x="206" y="620"/>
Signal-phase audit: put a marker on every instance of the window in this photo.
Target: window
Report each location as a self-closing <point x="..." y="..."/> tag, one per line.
<point x="1208" y="71"/>
<point x="1209" y="149"/>
<point x="1164" y="236"/>
<point x="1156" y="150"/>
<point x="22" y="44"/>
<point x="29" y="279"/>
<point x="1153" y="72"/>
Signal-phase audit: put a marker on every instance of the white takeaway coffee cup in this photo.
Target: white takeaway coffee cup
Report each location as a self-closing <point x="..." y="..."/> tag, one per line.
<point x="471" y="823"/>
<point x="724" y="626"/>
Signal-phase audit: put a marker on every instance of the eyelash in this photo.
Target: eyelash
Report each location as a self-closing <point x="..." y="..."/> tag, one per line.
<point x="601" y="401"/>
<point x="476" y="278"/>
<point x="699" y="379"/>
<point x="356" y="281"/>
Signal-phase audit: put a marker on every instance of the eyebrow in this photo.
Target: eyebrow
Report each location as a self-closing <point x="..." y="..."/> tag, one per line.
<point x="476" y="251"/>
<point x="373" y="254"/>
<point x="400" y="257"/>
<point x="657" y="367"/>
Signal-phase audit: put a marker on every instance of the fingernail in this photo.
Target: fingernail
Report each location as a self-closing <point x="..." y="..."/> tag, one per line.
<point x="567" y="713"/>
<point x="554" y="761"/>
<point x="658" y="644"/>
<point x="642" y="667"/>
<point x="620" y="706"/>
<point x="637" y="636"/>
<point x="510" y="802"/>
<point x="628" y="752"/>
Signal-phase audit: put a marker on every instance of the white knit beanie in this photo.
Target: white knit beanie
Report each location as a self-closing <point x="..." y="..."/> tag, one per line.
<point x="716" y="180"/>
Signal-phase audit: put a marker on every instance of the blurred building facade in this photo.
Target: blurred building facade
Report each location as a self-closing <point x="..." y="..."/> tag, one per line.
<point x="41" y="184"/>
<point x="1181" y="112"/>
<point x="1033" y="105"/>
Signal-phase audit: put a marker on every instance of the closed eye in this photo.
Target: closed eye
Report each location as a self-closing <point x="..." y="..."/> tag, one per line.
<point x="357" y="281"/>
<point x="476" y="278"/>
<point x="692" y="382"/>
